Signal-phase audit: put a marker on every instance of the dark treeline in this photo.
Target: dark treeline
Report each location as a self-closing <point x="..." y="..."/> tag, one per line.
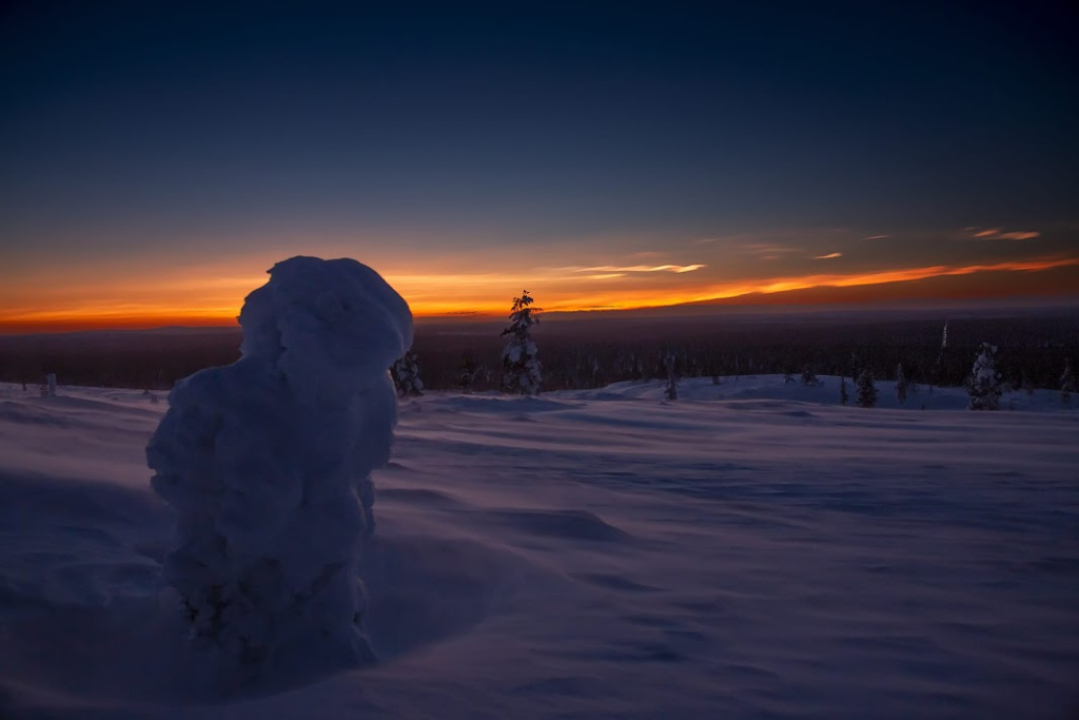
<point x="592" y="352"/>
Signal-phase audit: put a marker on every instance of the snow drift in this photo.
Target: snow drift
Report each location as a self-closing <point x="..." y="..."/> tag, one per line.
<point x="268" y="463"/>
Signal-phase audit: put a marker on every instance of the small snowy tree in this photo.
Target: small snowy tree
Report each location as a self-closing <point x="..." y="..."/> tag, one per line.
<point x="406" y="375"/>
<point x="521" y="369"/>
<point x="1067" y="383"/>
<point x="467" y="373"/>
<point x="670" y="364"/>
<point x="867" y="391"/>
<point x="901" y="385"/>
<point x="50" y="385"/>
<point x="983" y="385"/>
<point x="843" y="398"/>
<point x="809" y="377"/>
<point x="787" y="379"/>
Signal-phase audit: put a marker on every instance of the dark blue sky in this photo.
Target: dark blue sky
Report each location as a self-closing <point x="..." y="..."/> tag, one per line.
<point x="152" y="130"/>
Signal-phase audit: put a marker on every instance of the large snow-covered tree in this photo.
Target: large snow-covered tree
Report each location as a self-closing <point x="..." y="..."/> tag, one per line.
<point x="867" y="390"/>
<point x="983" y="385"/>
<point x="268" y="462"/>
<point x="1067" y="383"/>
<point x="521" y="369"/>
<point x="406" y="375"/>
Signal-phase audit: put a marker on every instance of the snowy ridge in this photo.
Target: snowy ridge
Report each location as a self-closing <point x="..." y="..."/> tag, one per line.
<point x="750" y="550"/>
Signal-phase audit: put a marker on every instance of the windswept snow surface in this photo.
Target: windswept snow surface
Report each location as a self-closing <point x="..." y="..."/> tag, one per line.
<point x="750" y="550"/>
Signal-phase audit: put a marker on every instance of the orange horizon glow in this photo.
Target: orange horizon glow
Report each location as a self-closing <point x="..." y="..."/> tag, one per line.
<point x="478" y="296"/>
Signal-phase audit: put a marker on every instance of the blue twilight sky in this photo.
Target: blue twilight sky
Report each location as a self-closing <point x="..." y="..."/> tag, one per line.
<point x="193" y="141"/>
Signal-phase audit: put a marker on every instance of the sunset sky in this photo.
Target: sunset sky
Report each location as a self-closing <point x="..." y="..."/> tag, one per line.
<point x="155" y="162"/>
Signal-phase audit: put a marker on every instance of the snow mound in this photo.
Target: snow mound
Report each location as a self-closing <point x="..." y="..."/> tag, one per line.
<point x="268" y="463"/>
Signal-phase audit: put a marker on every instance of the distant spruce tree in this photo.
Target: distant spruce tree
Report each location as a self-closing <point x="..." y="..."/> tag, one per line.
<point x="867" y="391"/>
<point x="406" y="375"/>
<point x="467" y="373"/>
<point x="901" y="384"/>
<point x="843" y="398"/>
<point x="1067" y="383"/>
<point x="808" y="377"/>
<point x="983" y="385"/>
<point x="670" y="364"/>
<point x="787" y="378"/>
<point x="521" y="369"/>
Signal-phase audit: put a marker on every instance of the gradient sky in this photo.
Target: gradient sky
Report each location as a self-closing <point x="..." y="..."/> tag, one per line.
<point x="155" y="161"/>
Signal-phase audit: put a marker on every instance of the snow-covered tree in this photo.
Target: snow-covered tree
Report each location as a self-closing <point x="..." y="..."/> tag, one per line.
<point x="809" y="377"/>
<point x="901" y="385"/>
<point x="843" y="398"/>
<point x="467" y="373"/>
<point x="787" y="378"/>
<point x="983" y="385"/>
<point x="867" y="391"/>
<point x="521" y="369"/>
<point x="406" y="375"/>
<point x="268" y="462"/>
<point x="50" y="386"/>
<point x="670" y="364"/>
<point x="1067" y="383"/>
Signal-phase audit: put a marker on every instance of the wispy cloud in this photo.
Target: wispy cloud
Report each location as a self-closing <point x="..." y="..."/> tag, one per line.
<point x="637" y="268"/>
<point x="768" y="251"/>
<point x="999" y="234"/>
<point x="876" y="237"/>
<point x="829" y="256"/>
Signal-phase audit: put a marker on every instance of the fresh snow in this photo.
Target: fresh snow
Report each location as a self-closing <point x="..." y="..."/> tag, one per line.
<point x="750" y="550"/>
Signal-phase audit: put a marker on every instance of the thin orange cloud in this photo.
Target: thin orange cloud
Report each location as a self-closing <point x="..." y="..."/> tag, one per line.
<point x="999" y="234"/>
<point x="640" y="268"/>
<point x="829" y="256"/>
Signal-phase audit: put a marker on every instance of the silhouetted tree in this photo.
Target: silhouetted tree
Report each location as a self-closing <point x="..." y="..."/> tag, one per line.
<point x="521" y="369"/>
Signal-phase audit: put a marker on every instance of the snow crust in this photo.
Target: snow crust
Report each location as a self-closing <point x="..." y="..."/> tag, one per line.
<point x="751" y="550"/>
<point x="267" y="462"/>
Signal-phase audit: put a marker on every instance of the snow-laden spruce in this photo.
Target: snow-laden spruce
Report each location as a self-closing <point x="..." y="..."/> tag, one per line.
<point x="901" y="385"/>
<point x="670" y="364"/>
<point x="983" y="385"/>
<point x="809" y="378"/>
<point x="843" y="390"/>
<point x="406" y="375"/>
<point x="268" y="463"/>
<point x="867" y="390"/>
<point x="521" y="369"/>
<point x="1067" y="383"/>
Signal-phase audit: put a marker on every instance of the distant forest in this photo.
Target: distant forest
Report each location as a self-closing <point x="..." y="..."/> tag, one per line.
<point x="596" y="351"/>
